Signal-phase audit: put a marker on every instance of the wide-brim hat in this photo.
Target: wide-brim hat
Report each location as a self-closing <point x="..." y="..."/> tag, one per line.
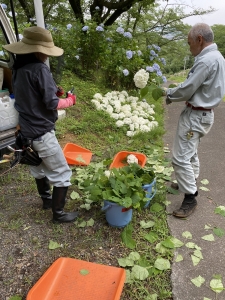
<point x="35" y="39"/>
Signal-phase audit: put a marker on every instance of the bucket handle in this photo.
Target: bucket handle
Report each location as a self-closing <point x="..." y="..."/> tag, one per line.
<point x="104" y="208"/>
<point x="155" y="190"/>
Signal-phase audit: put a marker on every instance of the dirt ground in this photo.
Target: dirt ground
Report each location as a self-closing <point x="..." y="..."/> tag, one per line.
<point x="26" y="230"/>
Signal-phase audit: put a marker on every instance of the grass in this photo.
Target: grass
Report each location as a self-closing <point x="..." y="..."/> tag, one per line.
<point x="94" y="130"/>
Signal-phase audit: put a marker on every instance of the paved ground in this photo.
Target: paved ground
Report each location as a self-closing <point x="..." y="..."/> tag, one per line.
<point x="212" y="160"/>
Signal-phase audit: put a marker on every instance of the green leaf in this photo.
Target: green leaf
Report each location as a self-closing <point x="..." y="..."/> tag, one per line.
<point x="140" y="273"/>
<point x="125" y="262"/>
<point x="168" y="243"/>
<point x="195" y="260"/>
<point x="177" y="243"/>
<point x="53" y="245"/>
<point x="74" y="195"/>
<point x="151" y="237"/>
<point x="129" y="279"/>
<point x="190" y="245"/>
<point x="187" y="235"/>
<point x="134" y="256"/>
<point x="151" y="297"/>
<point x="198" y="253"/>
<point x="148" y="224"/>
<point x="208" y="237"/>
<point x="126" y="236"/>
<point x="206" y="298"/>
<point x="82" y="224"/>
<point x="156" y="207"/>
<point x="216" y="285"/>
<point x="162" y="264"/>
<point x="15" y="298"/>
<point x="172" y="191"/>
<point x="198" y="281"/>
<point x="179" y="258"/>
<point x="220" y="210"/>
<point x="90" y="222"/>
<point x="87" y="206"/>
<point x="204" y="188"/>
<point x="157" y="93"/>
<point x="84" y="272"/>
<point x="207" y="227"/>
<point x="172" y="85"/>
<point x="205" y="181"/>
<point x="144" y="92"/>
<point x="161" y="249"/>
<point x="218" y="231"/>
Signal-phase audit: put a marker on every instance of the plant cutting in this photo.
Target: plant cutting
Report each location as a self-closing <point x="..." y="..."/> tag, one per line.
<point x="123" y="186"/>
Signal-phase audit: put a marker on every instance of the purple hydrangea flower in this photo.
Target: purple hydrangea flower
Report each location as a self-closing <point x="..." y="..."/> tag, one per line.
<point x="4" y="6"/>
<point x="156" y="67"/>
<point x="163" y="61"/>
<point x="152" y="52"/>
<point x="128" y="35"/>
<point x="149" y="69"/>
<point x="129" y="54"/>
<point x="77" y="57"/>
<point x="85" y="28"/>
<point x="120" y="30"/>
<point x="125" y="72"/>
<point x="156" y="47"/>
<point x="68" y="26"/>
<point x="159" y="73"/>
<point x="164" y="79"/>
<point x="151" y="57"/>
<point x="139" y="52"/>
<point x="99" y="28"/>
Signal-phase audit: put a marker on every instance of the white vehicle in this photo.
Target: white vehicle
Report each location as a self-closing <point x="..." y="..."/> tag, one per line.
<point x="7" y="35"/>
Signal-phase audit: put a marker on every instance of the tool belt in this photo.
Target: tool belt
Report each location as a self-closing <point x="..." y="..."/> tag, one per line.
<point x="24" y="152"/>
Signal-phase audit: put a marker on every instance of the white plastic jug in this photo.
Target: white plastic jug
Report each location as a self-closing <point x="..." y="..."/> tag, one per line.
<point x="8" y="114"/>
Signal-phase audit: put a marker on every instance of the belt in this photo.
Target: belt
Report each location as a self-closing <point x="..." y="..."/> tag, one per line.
<point x="198" y="108"/>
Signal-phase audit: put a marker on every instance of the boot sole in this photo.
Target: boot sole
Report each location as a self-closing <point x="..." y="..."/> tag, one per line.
<point x="177" y="215"/>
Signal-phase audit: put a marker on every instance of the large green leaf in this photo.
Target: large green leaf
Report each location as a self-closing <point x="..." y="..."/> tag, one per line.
<point x="157" y="93"/>
<point x="126" y="236"/>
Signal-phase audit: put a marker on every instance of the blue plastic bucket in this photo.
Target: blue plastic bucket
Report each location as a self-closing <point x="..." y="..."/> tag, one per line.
<point x="150" y="191"/>
<point x="116" y="215"/>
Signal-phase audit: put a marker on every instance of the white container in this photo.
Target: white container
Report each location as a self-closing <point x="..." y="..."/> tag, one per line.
<point x="9" y="117"/>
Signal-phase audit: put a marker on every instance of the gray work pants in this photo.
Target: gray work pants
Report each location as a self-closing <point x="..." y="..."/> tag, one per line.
<point x="185" y="158"/>
<point x="54" y="165"/>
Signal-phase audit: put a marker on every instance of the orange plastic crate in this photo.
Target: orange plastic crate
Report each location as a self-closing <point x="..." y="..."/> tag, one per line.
<point x="120" y="158"/>
<point x="64" y="281"/>
<point x="77" y="155"/>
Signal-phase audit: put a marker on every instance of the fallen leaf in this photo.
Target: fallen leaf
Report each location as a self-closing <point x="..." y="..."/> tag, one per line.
<point x="84" y="272"/>
<point x="198" y="281"/>
<point x="187" y="235"/>
<point x="209" y="237"/>
<point x="179" y="258"/>
<point x="216" y="285"/>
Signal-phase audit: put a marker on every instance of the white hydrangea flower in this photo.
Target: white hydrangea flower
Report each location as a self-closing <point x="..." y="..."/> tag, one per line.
<point x="109" y="109"/>
<point x="127" y="121"/>
<point x="119" y="123"/>
<point x="144" y="128"/>
<point x="98" y="96"/>
<point x="121" y="115"/>
<point x="141" y="78"/>
<point x="131" y="158"/>
<point x="107" y="173"/>
<point x="130" y="133"/>
<point x="132" y="127"/>
<point x="124" y="93"/>
<point x="115" y="116"/>
<point x="128" y="114"/>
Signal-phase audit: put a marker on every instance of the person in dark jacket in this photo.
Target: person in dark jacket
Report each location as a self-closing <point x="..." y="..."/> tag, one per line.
<point x="37" y="102"/>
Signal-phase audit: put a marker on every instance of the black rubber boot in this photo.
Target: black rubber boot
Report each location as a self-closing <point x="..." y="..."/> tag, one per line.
<point x="58" y="203"/>
<point x="43" y="187"/>
<point x="188" y="206"/>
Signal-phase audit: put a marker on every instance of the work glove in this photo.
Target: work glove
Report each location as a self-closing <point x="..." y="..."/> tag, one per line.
<point x="72" y="96"/>
<point x="168" y="101"/>
<point x="59" y="92"/>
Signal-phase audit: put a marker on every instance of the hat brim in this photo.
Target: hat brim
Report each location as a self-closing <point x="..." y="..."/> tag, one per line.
<point x="22" y="48"/>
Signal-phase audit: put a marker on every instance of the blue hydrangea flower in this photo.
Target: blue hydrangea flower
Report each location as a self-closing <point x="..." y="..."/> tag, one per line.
<point x="151" y="57"/>
<point x="164" y="79"/>
<point x="139" y="52"/>
<point x="159" y="73"/>
<point x="149" y="69"/>
<point x="109" y="39"/>
<point x="120" y="30"/>
<point x="32" y="19"/>
<point x="156" y="67"/>
<point x="68" y="26"/>
<point x="85" y="28"/>
<point x="152" y="52"/>
<point x="128" y="35"/>
<point x="129" y="54"/>
<point x="99" y="28"/>
<point x="97" y="8"/>
<point x="1" y="53"/>
<point x="163" y="61"/>
<point x="77" y="57"/>
<point x="156" y="47"/>
<point x="4" y="6"/>
<point x="20" y="36"/>
<point x="149" y="47"/>
<point x="125" y="72"/>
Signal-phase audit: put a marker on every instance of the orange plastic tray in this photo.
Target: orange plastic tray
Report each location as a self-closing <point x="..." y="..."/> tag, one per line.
<point x="64" y="281"/>
<point x="77" y="155"/>
<point x="121" y="156"/>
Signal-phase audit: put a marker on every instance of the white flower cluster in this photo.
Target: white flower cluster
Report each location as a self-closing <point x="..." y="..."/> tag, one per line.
<point x="131" y="159"/>
<point x="127" y="111"/>
<point x="141" y="78"/>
